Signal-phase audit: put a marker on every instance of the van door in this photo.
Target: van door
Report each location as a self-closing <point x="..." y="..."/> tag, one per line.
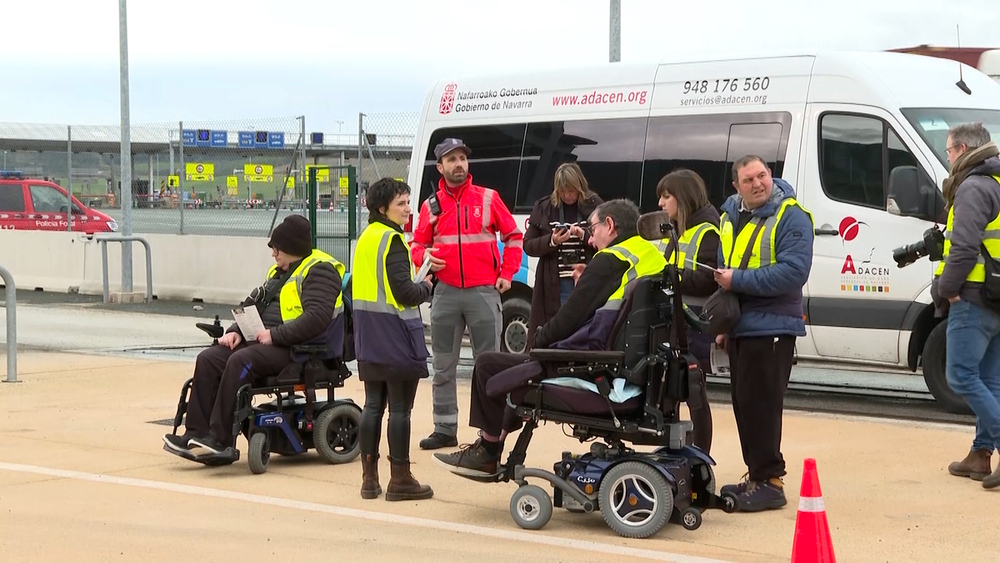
<point x="858" y="296"/>
<point x="13" y="212"/>
<point x="50" y="207"/>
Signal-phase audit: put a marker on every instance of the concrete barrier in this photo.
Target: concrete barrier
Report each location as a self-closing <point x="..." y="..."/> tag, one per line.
<point x="215" y="269"/>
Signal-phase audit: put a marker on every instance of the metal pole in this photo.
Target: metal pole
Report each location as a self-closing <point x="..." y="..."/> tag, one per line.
<point x="361" y="137"/>
<point x="11" y="310"/>
<point x="69" y="177"/>
<point x="126" y="150"/>
<point x="615" y="37"/>
<point x="302" y="135"/>
<point x="181" y="171"/>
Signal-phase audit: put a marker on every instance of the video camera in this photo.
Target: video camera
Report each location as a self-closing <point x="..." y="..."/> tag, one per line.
<point x="931" y="244"/>
<point x="574" y="252"/>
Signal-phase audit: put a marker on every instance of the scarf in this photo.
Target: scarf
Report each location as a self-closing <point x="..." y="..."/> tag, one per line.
<point x="963" y="166"/>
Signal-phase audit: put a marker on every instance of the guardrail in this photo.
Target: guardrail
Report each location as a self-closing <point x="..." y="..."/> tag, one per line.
<point x="104" y="240"/>
<point x="11" y="311"/>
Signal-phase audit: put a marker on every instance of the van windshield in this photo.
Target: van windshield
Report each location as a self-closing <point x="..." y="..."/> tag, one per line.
<point x="933" y="124"/>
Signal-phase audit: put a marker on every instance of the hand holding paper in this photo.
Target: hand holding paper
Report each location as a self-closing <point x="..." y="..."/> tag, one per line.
<point x="249" y="322"/>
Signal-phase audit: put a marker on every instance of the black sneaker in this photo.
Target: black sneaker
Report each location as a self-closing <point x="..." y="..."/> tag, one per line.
<point x="227" y="456"/>
<point x="761" y="495"/>
<point x="177" y="443"/>
<point x="208" y="443"/>
<point x="437" y="440"/>
<point x="737" y="489"/>
<point x="472" y="460"/>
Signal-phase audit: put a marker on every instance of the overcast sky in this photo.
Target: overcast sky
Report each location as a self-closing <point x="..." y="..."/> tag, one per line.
<point x="330" y="59"/>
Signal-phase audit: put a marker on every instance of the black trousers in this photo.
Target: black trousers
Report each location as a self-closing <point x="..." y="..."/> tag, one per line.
<point x="399" y="396"/>
<point x="701" y="416"/>
<point x="491" y="414"/>
<point x="760" y="368"/>
<point x="218" y="373"/>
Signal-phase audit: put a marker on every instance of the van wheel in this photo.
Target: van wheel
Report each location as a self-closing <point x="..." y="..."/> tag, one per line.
<point x="934" y="371"/>
<point x="514" y="337"/>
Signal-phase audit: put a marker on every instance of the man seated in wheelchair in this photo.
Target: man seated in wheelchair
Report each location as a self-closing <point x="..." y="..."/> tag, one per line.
<point x="300" y="302"/>
<point x="584" y="322"/>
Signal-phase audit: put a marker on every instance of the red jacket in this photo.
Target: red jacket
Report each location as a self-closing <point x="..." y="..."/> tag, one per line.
<point x="465" y="236"/>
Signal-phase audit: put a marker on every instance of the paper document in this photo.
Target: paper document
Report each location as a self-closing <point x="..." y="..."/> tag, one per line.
<point x="706" y="266"/>
<point x="249" y="322"/>
<point x="422" y="272"/>
<point x="719" y="361"/>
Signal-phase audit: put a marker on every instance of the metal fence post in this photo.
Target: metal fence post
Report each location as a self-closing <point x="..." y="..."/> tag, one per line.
<point x="181" y="172"/>
<point x="11" y="311"/>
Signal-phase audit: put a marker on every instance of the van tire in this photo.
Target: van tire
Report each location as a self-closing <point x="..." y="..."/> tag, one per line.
<point x="514" y="335"/>
<point x="934" y="371"/>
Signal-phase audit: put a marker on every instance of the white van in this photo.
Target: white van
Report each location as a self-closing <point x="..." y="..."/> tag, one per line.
<point x="861" y="136"/>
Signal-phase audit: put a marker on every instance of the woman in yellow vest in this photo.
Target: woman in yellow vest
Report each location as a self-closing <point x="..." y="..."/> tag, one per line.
<point x="388" y="338"/>
<point x="684" y="197"/>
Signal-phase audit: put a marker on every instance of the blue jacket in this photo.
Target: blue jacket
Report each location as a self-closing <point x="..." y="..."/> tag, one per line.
<point x="771" y="297"/>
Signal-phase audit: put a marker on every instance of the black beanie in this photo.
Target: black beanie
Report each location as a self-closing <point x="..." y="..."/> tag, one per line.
<point x="293" y="236"/>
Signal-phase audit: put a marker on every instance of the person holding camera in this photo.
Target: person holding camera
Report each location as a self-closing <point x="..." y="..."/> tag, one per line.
<point x="555" y="236"/>
<point x="971" y="237"/>
<point x="765" y="254"/>
<point x="684" y="197"/>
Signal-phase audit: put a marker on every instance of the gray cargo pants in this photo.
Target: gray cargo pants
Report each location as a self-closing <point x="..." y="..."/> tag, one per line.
<point x="452" y="309"/>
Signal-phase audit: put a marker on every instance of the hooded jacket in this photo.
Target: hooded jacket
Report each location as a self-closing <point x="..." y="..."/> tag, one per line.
<point x="771" y="297"/>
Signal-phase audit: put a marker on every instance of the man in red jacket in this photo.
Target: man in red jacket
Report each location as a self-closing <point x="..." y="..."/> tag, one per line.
<point x="457" y="231"/>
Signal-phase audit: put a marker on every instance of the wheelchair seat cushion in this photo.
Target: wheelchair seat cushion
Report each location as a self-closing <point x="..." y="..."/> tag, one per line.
<point x="573" y="401"/>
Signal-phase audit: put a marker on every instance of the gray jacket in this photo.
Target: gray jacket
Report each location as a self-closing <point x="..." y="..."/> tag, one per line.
<point x="977" y="202"/>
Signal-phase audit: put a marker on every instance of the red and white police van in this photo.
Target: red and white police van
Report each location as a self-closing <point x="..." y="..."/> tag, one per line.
<point x="31" y="204"/>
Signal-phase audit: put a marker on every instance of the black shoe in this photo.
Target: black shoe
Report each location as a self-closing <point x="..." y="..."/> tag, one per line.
<point x="737" y="489"/>
<point x="437" y="440"/>
<point x="761" y="495"/>
<point x="472" y="460"/>
<point x="227" y="456"/>
<point x="175" y="443"/>
<point x="209" y="444"/>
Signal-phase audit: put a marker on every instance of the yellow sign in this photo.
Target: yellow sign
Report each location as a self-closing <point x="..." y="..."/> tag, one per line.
<point x="290" y="182"/>
<point x="322" y="174"/>
<point x="258" y="172"/>
<point x="344" y="182"/>
<point x="232" y="181"/>
<point x="199" y="171"/>
<point x="232" y="190"/>
<point x="173" y="181"/>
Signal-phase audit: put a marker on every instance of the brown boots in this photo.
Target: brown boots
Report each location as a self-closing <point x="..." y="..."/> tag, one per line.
<point x="402" y="485"/>
<point x="369" y="477"/>
<point x="975" y="466"/>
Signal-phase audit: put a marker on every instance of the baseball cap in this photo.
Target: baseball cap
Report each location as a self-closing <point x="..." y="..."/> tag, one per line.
<point x="448" y="145"/>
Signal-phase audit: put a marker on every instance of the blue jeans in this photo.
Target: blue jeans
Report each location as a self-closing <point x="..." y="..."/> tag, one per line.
<point x="973" y="367"/>
<point x="566" y="286"/>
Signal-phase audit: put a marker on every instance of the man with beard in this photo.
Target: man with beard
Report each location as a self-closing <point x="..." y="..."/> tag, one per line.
<point x="457" y="231"/>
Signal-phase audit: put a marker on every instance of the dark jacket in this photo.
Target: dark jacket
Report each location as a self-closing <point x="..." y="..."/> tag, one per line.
<point x="977" y="202"/>
<point x="397" y="270"/>
<point x="545" y="294"/>
<point x="598" y="282"/>
<point x="700" y="282"/>
<point x="771" y="297"/>
<point x="320" y="289"/>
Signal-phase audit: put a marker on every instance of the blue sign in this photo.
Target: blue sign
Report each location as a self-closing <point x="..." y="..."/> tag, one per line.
<point x="276" y="140"/>
<point x="260" y="139"/>
<point x="246" y="139"/>
<point x="204" y="138"/>
<point x="188" y="138"/>
<point x="219" y="139"/>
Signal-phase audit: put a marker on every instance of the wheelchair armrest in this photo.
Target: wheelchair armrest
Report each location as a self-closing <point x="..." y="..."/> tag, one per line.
<point x="578" y="356"/>
<point x="213" y="330"/>
<point x="309" y="349"/>
<point x="695" y="321"/>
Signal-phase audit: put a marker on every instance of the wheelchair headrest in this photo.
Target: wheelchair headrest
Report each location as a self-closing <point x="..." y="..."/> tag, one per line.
<point x="654" y="225"/>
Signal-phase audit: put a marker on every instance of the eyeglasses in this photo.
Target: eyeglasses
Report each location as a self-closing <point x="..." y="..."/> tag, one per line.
<point x="951" y="148"/>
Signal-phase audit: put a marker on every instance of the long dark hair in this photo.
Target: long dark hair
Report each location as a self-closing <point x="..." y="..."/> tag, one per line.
<point x="687" y="187"/>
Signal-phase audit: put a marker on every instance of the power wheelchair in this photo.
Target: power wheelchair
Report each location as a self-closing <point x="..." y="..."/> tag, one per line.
<point x="293" y="423"/>
<point x="636" y="492"/>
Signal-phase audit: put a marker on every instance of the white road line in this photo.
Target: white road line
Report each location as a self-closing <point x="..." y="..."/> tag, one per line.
<point x="592" y="547"/>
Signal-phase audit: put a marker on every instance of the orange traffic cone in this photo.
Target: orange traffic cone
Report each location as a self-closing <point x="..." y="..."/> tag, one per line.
<point x="812" y="543"/>
<point x="331" y="204"/>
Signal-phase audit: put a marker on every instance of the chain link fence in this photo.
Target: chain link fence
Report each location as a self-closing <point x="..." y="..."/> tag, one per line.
<point x="385" y="145"/>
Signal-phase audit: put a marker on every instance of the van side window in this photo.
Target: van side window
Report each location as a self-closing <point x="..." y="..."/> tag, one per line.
<point x="864" y="162"/>
<point x="11" y="198"/>
<point x="494" y="163"/>
<point x="46" y="199"/>
<point x="609" y="152"/>
<point x="709" y="144"/>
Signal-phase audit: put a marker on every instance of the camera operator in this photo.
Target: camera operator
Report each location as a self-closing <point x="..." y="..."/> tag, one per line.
<point x="972" y="193"/>
<point x="555" y="236"/>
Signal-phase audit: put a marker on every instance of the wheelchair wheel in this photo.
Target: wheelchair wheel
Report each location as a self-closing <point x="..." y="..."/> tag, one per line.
<point x="259" y="453"/>
<point x="732" y="502"/>
<point x="691" y="518"/>
<point x="531" y="507"/>
<point x="636" y="500"/>
<point x="335" y="433"/>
